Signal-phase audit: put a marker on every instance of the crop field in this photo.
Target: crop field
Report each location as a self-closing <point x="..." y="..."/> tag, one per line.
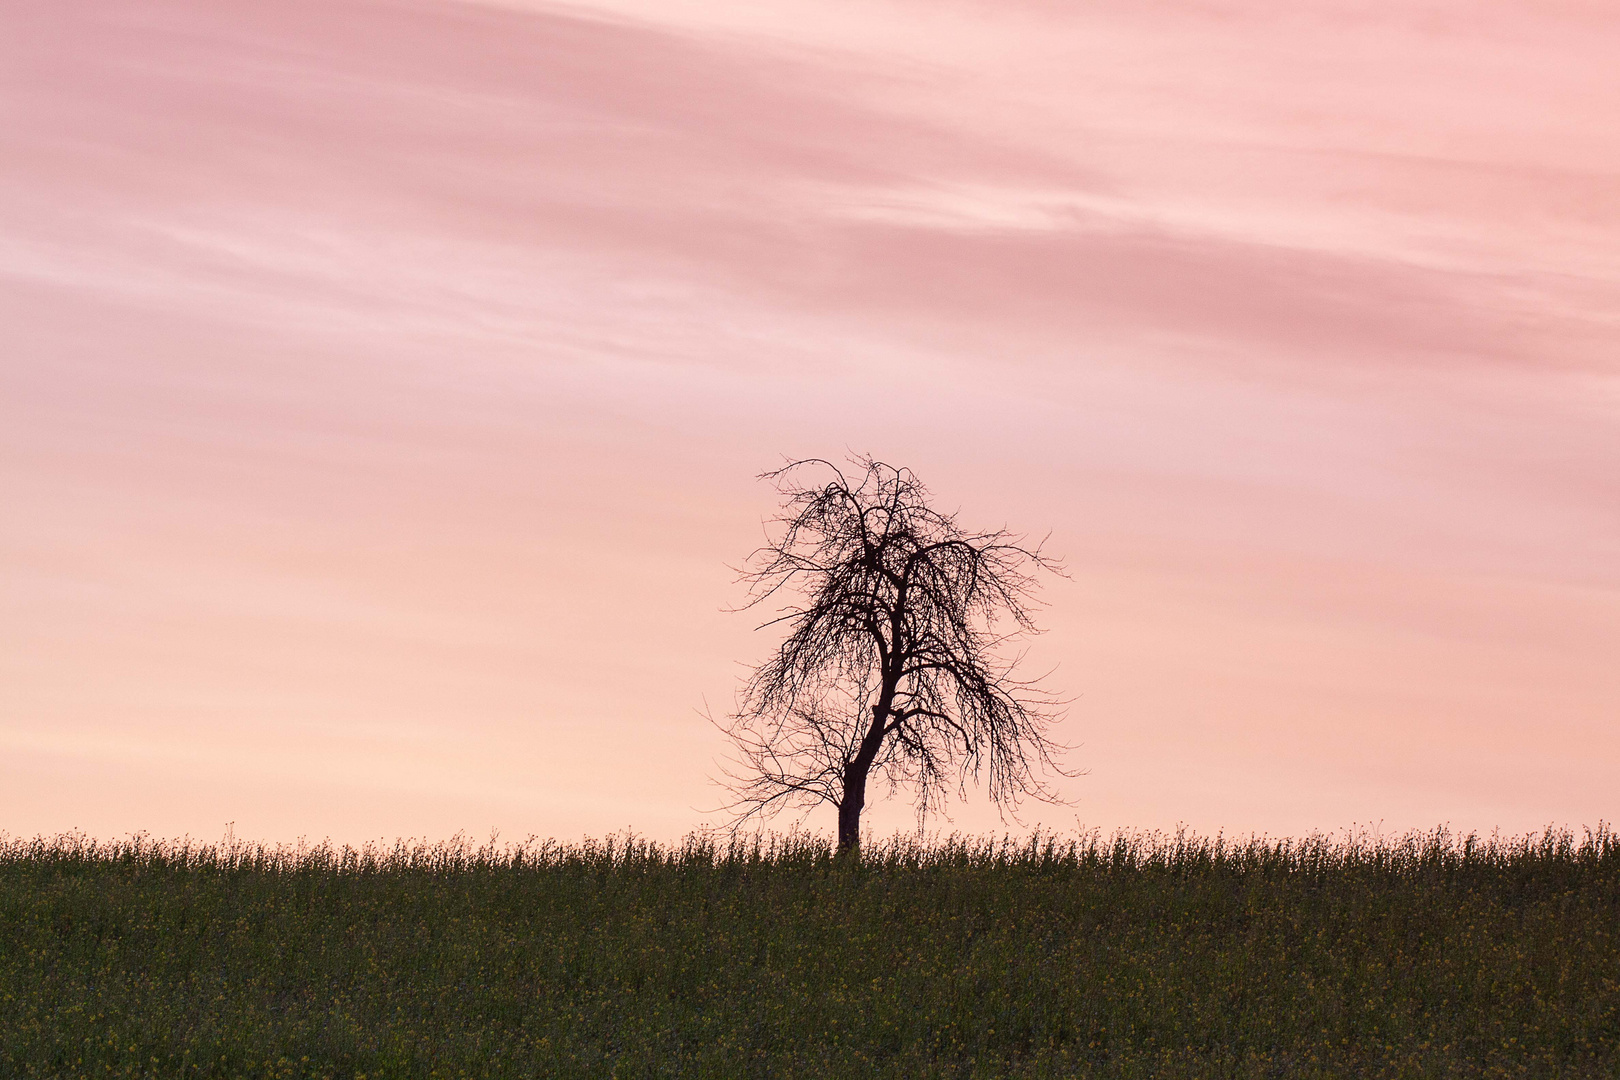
<point x="1137" y="955"/>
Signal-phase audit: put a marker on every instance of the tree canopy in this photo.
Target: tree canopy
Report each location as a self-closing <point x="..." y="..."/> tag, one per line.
<point x="893" y="667"/>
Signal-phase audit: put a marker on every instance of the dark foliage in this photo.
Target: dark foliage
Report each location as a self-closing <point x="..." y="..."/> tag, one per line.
<point x="1164" y="957"/>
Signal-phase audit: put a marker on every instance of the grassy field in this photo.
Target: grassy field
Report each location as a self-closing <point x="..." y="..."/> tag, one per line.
<point x="1132" y="956"/>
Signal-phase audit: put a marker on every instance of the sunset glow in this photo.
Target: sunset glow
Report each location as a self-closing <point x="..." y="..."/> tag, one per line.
<point x="383" y="383"/>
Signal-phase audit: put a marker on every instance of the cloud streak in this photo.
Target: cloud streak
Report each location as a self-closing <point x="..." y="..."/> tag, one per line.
<point x="382" y="380"/>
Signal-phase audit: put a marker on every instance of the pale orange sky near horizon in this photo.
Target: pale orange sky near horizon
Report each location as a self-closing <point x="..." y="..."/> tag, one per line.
<point x="382" y="384"/>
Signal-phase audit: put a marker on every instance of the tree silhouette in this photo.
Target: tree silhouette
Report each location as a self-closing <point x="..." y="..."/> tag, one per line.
<point x="890" y="666"/>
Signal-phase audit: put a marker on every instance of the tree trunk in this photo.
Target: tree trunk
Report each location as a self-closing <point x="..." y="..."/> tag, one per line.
<point x="850" y="807"/>
<point x="857" y="768"/>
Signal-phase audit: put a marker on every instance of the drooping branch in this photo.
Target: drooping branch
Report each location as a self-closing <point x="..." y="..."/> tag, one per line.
<point x="890" y="665"/>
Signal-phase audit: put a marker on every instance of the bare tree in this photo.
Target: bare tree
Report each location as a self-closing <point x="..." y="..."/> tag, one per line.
<point x="890" y="666"/>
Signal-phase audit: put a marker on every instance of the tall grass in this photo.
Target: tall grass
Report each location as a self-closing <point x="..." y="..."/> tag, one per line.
<point x="1133" y="955"/>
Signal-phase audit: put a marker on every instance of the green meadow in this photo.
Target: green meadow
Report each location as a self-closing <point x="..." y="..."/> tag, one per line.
<point x="1130" y="956"/>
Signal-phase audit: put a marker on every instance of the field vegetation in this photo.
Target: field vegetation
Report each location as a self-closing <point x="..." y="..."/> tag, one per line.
<point x="1129" y="956"/>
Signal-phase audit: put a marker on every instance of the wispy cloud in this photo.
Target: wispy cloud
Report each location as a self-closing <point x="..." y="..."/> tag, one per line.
<point x="401" y="366"/>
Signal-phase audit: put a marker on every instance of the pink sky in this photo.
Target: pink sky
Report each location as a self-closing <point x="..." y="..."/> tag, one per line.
<point x="382" y="384"/>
